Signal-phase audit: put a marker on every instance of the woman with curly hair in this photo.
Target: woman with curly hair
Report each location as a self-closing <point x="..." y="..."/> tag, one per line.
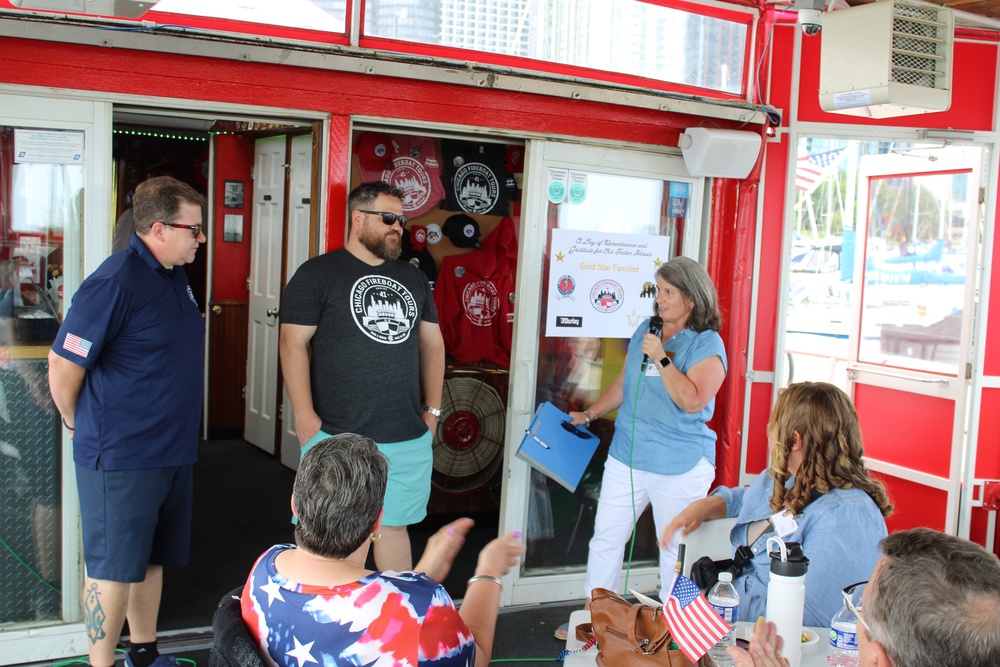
<point x="817" y="492"/>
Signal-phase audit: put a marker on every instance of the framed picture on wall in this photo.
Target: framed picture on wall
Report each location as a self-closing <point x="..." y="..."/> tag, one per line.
<point x="234" y="194"/>
<point x="232" y="228"/>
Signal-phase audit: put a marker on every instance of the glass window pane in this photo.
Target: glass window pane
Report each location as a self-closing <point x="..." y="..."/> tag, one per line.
<point x="574" y="371"/>
<point x="323" y="15"/>
<point x="42" y="195"/>
<point x="621" y="36"/>
<point x="918" y="203"/>
<point x="818" y="315"/>
<point x="915" y="261"/>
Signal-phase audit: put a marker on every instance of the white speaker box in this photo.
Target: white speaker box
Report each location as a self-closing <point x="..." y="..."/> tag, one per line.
<point x="719" y="153"/>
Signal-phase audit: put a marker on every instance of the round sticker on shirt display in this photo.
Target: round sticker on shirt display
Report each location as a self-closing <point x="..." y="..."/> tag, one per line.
<point x="433" y="233"/>
<point x="459" y="271"/>
<point x="383" y="309"/>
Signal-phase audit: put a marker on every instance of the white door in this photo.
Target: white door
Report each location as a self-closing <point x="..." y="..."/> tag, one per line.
<point x="920" y="247"/>
<point x="881" y="300"/>
<point x="260" y="421"/>
<point x="299" y="207"/>
<point x="597" y="192"/>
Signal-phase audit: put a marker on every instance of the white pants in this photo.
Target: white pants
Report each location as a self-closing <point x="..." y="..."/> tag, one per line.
<point x="669" y="494"/>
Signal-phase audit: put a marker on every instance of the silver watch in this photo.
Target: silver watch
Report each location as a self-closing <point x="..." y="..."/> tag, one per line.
<point x="663" y="363"/>
<point x="434" y="411"/>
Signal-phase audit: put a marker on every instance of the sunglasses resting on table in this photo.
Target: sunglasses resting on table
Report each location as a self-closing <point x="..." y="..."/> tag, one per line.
<point x="389" y="218"/>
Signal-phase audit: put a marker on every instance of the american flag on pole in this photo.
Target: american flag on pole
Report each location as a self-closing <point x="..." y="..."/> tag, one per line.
<point x="76" y="345"/>
<point x="812" y="169"/>
<point x="692" y="621"/>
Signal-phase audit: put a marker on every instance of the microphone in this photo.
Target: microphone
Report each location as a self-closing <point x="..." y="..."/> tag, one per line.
<point x="655" y="328"/>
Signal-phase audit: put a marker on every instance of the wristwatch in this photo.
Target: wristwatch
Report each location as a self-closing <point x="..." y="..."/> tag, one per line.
<point x="434" y="411"/>
<point x="663" y="363"/>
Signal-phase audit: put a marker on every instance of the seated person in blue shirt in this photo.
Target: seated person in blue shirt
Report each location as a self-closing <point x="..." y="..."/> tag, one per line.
<point x="817" y="492"/>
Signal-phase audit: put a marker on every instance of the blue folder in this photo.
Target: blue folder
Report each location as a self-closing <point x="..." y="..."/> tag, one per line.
<point x="557" y="448"/>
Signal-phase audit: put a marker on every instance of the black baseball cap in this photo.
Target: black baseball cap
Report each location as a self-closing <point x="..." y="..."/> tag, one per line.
<point x="462" y="230"/>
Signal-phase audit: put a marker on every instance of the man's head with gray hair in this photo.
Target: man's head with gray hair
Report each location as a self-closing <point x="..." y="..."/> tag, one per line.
<point x="933" y="601"/>
<point x="337" y="495"/>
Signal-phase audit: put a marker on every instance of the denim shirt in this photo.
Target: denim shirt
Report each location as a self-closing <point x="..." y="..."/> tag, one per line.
<point x="839" y="534"/>
<point x="668" y="441"/>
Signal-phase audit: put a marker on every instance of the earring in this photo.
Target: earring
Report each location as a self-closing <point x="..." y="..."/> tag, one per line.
<point x="376" y="536"/>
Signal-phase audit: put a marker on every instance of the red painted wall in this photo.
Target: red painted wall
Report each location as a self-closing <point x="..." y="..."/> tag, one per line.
<point x="233" y="160"/>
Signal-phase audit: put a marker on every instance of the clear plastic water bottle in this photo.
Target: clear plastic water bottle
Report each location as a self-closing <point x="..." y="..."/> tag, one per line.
<point x="726" y="602"/>
<point x="844" y="639"/>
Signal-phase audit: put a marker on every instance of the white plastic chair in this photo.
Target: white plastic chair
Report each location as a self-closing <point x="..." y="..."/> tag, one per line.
<point x="710" y="539"/>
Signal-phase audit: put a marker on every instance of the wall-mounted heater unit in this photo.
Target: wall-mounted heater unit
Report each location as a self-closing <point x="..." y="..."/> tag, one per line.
<point x="886" y="59"/>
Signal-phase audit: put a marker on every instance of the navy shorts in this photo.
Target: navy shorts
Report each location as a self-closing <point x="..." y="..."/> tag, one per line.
<point x="133" y="519"/>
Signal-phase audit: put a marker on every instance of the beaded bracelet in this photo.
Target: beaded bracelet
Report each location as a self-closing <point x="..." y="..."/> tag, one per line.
<point x="68" y="427"/>
<point x="483" y="577"/>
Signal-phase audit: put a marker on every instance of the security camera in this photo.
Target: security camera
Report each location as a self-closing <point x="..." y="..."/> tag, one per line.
<point x="811" y="21"/>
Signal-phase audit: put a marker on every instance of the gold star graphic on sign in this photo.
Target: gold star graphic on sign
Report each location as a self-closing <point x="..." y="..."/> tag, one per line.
<point x="657" y="262"/>
<point x="559" y="256"/>
<point x="634" y="318"/>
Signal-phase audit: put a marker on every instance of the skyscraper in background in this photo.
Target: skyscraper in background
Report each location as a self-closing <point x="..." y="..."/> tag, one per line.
<point x="632" y="38"/>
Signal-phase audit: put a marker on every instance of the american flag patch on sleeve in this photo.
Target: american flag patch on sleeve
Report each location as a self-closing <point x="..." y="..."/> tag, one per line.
<point x="76" y="345"/>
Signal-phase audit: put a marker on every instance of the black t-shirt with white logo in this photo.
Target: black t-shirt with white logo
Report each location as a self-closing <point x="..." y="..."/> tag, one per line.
<point x="475" y="178"/>
<point x="365" y="364"/>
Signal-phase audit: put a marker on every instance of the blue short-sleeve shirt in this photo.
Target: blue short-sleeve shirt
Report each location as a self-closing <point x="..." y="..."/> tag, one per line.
<point x="839" y="533"/>
<point x="668" y="440"/>
<point x="136" y="328"/>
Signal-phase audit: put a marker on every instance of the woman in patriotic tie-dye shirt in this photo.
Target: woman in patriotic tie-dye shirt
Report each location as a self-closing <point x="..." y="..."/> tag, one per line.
<point x="314" y="603"/>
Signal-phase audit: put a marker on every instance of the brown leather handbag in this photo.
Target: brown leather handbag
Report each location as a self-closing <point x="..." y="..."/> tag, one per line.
<point x="631" y="635"/>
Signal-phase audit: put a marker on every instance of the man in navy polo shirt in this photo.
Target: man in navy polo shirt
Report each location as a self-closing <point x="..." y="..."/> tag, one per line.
<point x="126" y="374"/>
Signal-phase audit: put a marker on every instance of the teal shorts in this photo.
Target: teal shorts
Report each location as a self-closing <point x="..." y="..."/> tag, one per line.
<point x="409" y="487"/>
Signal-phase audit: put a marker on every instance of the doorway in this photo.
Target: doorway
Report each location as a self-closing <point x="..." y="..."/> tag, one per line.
<point x="885" y="259"/>
<point x="216" y="155"/>
<point x="598" y="222"/>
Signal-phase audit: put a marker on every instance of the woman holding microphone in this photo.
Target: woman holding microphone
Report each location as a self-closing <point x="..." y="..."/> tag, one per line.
<point x="662" y="452"/>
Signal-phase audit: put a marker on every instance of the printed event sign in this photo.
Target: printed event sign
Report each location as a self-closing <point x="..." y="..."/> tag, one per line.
<point x="601" y="285"/>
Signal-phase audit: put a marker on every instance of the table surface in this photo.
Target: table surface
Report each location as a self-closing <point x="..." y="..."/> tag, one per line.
<point x="813" y="656"/>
